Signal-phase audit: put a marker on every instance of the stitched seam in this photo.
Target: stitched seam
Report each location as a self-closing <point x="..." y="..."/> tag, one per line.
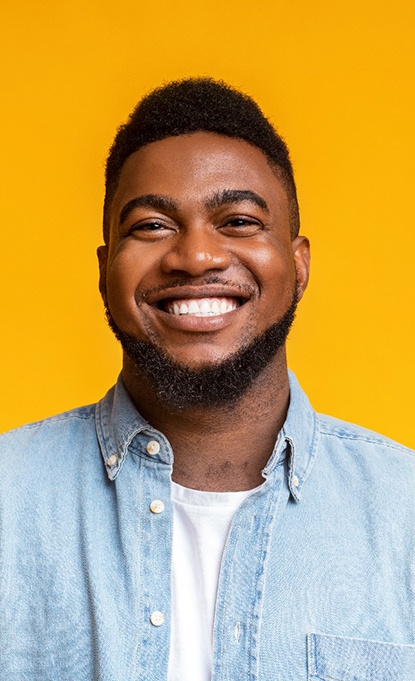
<point x="50" y="420"/>
<point x="360" y="438"/>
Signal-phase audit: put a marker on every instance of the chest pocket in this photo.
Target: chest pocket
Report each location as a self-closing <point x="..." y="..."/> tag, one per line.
<point x="334" y="658"/>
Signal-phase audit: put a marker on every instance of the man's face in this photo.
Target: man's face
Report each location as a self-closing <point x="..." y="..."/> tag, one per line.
<point x="200" y="260"/>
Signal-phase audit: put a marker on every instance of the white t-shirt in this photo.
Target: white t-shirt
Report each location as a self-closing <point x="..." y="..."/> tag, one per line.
<point x="201" y="524"/>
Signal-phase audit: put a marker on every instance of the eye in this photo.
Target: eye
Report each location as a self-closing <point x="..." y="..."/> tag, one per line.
<point x="152" y="226"/>
<point x="150" y="229"/>
<point x="241" y="225"/>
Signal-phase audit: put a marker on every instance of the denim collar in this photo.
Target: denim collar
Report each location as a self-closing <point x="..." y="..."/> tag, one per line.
<point x="121" y="429"/>
<point x="300" y="433"/>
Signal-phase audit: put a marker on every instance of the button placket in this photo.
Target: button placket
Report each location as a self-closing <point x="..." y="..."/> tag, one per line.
<point x="155" y="564"/>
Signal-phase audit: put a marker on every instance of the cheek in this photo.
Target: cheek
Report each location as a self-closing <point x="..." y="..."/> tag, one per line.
<point x="273" y="267"/>
<point x="120" y="278"/>
<point x="123" y="279"/>
<point x="128" y="266"/>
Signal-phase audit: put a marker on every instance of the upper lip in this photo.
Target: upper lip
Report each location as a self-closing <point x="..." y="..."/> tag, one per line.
<point x="208" y="291"/>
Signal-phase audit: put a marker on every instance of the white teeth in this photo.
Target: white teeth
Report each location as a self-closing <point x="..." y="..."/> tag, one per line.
<point x="202" y="307"/>
<point x="205" y="307"/>
<point x="193" y="307"/>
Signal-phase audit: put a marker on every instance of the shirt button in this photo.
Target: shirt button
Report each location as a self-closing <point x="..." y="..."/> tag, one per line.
<point x="153" y="447"/>
<point x="157" y="618"/>
<point x="296" y="481"/>
<point x="157" y="506"/>
<point x="112" y="460"/>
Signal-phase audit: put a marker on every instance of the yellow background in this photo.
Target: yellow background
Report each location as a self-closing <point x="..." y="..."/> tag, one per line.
<point x="337" y="79"/>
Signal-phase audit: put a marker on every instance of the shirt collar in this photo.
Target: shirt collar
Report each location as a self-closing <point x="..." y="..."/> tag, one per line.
<point x="118" y="424"/>
<point x="297" y="440"/>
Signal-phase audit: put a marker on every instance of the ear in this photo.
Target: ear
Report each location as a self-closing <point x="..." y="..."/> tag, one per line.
<point x="102" y="253"/>
<point x="301" y="253"/>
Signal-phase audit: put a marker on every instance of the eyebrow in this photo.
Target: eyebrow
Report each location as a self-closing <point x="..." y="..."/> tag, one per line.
<point x="156" y="201"/>
<point x="217" y="200"/>
<point x="228" y="196"/>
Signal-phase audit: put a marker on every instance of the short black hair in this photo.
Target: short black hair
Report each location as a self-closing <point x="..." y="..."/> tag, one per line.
<point x="192" y="105"/>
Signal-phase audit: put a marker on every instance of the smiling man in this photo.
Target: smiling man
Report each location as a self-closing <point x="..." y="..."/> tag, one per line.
<point x="201" y="522"/>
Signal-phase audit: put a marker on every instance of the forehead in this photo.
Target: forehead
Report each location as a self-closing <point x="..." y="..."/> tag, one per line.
<point x="193" y="166"/>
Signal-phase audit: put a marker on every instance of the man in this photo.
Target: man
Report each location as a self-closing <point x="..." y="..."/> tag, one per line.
<point x="202" y="521"/>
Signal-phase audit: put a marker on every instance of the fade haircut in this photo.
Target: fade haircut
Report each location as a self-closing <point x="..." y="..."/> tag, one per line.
<point x="192" y="105"/>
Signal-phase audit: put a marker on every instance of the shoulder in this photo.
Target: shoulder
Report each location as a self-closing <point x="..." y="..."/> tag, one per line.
<point x="365" y="447"/>
<point x="61" y="426"/>
<point x="343" y="430"/>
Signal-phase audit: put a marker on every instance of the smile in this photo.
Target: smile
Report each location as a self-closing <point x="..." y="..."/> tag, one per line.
<point x="201" y="307"/>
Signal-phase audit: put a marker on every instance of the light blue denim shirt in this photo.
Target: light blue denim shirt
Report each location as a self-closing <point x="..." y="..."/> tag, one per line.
<point x="318" y="575"/>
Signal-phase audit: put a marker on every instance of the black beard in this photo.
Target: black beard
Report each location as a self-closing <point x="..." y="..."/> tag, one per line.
<point x="217" y="385"/>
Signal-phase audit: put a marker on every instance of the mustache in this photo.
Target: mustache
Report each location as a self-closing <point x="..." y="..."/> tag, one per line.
<point x="203" y="281"/>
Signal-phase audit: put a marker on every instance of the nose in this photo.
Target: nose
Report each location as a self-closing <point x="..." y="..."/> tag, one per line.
<point x="196" y="252"/>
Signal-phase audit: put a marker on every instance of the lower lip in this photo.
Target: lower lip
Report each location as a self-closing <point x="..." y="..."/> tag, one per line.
<point x="193" y="323"/>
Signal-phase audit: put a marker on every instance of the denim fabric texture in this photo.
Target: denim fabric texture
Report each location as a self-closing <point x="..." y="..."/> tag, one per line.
<point x="318" y="575"/>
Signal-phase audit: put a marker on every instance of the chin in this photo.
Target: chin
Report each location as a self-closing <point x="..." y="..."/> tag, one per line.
<point x="201" y="360"/>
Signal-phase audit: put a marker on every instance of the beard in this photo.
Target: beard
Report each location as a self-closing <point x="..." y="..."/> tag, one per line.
<point x="216" y="385"/>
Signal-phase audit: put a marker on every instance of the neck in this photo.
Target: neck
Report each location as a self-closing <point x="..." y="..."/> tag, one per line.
<point x="219" y="448"/>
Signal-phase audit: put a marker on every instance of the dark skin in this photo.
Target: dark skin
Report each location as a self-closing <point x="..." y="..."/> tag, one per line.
<point x="195" y="217"/>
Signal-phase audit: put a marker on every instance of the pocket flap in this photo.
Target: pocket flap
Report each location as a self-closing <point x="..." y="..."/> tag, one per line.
<point x="336" y="658"/>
